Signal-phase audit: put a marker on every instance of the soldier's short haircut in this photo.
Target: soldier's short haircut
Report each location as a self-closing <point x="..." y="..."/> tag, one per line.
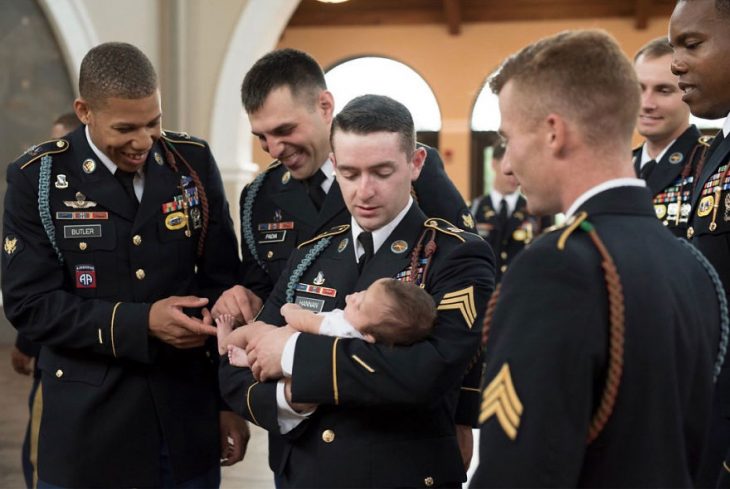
<point x="656" y="48"/>
<point x="409" y="317"/>
<point x="282" y="68"/>
<point x="118" y="70"/>
<point x="68" y="120"/>
<point x="582" y="75"/>
<point x="368" y="114"/>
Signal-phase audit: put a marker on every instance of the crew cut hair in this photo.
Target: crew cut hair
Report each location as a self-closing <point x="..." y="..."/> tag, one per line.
<point x="282" y="68"/>
<point x="368" y="114"/>
<point x="656" y="48"/>
<point x="582" y="75"/>
<point x="116" y="69"/>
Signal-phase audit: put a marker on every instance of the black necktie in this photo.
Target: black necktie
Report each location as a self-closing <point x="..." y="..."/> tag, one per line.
<point x="503" y="213"/>
<point x="365" y="239"/>
<point x="647" y="169"/>
<point x="314" y="188"/>
<point x="126" y="178"/>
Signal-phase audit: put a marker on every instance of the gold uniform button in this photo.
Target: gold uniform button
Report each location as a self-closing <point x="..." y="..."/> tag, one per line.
<point x="503" y="255"/>
<point x="428" y="481"/>
<point x="137" y="240"/>
<point x="690" y="232"/>
<point x="328" y="436"/>
<point x="140" y="274"/>
<point x="82" y="246"/>
<point x="59" y="373"/>
<point x="60" y="144"/>
<point x="503" y="268"/>
<point x="269" y="254"/>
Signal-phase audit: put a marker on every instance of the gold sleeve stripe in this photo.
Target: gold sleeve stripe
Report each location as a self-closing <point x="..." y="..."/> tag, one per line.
<point x="470" y="389"/>
<point x="724" y="466"/>
<point x="35" y="431"/>
<point x="248" y="403"/>
<point x="500" y="399"/>
<point x="462" y="301"/>
<point x="334" y="372"/>
<point x="363" y="364"/>
<point x="101" y="339"/>
<point x="111" y="329"/>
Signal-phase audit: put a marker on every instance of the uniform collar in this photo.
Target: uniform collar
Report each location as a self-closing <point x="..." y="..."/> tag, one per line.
<point x="602" y="187"/>
<point x="511" y="199"/>
<point x="379" y="235"/>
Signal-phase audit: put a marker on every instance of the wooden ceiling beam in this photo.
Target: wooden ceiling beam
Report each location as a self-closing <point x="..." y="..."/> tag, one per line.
<point x="642" y="11"/>
<point x="453" y="15"/>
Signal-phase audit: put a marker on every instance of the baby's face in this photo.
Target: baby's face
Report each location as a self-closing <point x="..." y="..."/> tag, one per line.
<point x="365" y="307"/>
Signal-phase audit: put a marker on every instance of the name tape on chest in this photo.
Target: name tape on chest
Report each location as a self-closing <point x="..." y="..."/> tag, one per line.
<point x="82" y="231"/>
<point x="272" y="237"/>
<point x="310" y="304"/>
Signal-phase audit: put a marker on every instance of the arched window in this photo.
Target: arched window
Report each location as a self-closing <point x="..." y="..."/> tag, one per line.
<point x="384" y="76"/>
<point x="485" y="121"/>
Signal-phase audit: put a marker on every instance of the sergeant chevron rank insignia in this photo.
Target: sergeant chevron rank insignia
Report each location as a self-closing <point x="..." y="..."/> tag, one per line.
<point x="500" y="399"/>
<point x="463" y="301"/>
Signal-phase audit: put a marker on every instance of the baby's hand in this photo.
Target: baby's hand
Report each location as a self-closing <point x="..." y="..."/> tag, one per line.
<point x="225" y="324"/>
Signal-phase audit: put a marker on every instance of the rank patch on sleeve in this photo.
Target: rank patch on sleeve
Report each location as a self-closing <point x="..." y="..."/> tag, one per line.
<point x="500" y="399"/>
<point x="85" y="277"/>
<point x="463" y="301"/>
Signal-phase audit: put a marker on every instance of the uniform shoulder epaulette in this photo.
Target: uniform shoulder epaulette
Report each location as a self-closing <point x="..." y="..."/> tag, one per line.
<point x="705" y="140"/>
<point x="569" y="226"/>
<point x="444" y="226"/>
<point x="272" y="166"/>
<point x="35" y="153"/>
<point x="330" y="232"/>
<point x="182" y="137"/>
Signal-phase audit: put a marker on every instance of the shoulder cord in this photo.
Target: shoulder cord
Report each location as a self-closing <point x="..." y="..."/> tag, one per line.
<point x="616" y="333"/>
<point x="246" y="224"/>
<point x="168" y="146"/>
<point x="429" y="249"/>
<point x="304" y="265"/>
<point x="722" y="300"/>
<point x="44" y="209"/>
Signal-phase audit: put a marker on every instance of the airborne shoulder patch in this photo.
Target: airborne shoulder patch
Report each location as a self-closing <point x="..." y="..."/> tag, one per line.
<point x="462" y="301"/>
<point x="500" y="399"/>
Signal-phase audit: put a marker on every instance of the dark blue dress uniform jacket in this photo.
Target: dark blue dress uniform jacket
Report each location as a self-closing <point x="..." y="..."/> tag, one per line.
<point x="386" y="414"/>
<point x="110" y="391"/>
<point x="709" y="231"/>
<point x="277" y="215"/>
<point x="548" y="348"/>
<point x="673" y="174"/>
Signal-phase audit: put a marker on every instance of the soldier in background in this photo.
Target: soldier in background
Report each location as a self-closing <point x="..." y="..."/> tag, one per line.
<point x="668" y="157"/>
<point x="502" y="217"/>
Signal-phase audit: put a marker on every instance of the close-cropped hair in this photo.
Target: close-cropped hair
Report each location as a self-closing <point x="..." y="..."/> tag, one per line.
<point x="69" y="120"/>
<point x="118" y="70"/>
<point x="582" y="75"/>
<point x="409" y="317"/>
<point x="282" y="68"/>
<point x="656" y="48"/>
<point x="368" y="114"/>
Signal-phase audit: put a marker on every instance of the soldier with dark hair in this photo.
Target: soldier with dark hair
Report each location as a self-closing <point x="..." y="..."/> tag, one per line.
<point x="699" y="32"/>
<point x="667" y="159"/>
<point x="344" y="405"/>
<point x="116" y="236"/>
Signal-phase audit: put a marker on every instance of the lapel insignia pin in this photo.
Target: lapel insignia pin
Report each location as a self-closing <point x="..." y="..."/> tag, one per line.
<point x="468" y="221"/>
<point x="89" y="166"/>
<point x="285" y="178"/>
<point x="10" y="245"/>
<point x="399" y="246"/>
<point x="343" y="244"/>
<point x="277" y="215"/>
<point x="319" y="279"/>
<point x="61" y="181"/>
<point x="158" y="158"/>
<point x="676" y="158"/>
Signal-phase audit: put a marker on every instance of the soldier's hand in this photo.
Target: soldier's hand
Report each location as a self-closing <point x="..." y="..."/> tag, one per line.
<point x="465" y="439"/>
<point x="234" y="437"/>
<point x="21" y="362"/>
<point x="239" y="302"/>
<point x="264" y="351"/>
<point x="170" y="324"/>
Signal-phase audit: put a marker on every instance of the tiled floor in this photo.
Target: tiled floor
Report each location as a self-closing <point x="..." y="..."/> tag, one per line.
<point x="252" y="473"/>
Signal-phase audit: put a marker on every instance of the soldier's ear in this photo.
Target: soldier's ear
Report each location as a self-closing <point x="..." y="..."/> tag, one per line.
<point x="82" y="109"/>
<point x="417" y="161"/>
<point x="326" y="105"/>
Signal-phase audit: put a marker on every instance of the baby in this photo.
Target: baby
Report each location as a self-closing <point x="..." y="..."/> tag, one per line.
<point x="389" y="312"/>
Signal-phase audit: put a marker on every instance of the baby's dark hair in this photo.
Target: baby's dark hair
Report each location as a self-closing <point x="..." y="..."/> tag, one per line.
<point x="409" y="316"/>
